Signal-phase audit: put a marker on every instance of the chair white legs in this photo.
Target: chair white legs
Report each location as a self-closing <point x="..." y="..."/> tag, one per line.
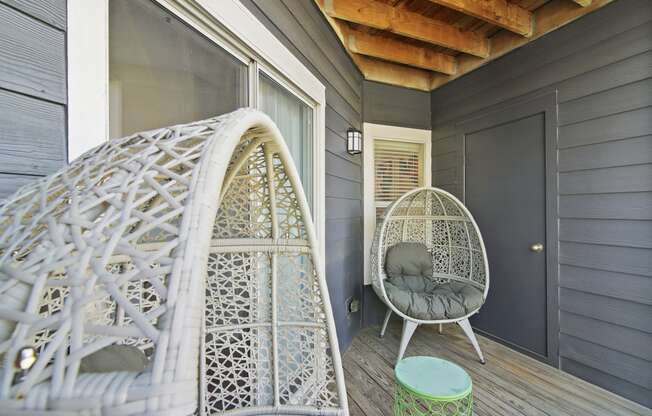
<point x="441" y="328"/>
<point x="408" y="329"/>
<point x="466" y="327"/>
<point x="387" y="315"/>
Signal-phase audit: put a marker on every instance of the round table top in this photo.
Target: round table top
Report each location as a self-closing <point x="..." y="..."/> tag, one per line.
<point x="433" y="377"/>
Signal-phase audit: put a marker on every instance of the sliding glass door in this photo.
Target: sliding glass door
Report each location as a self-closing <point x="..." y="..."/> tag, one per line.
<point x="164" y="72"/>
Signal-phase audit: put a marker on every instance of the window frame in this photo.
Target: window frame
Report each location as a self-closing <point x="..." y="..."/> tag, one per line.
<point x="227" y="23"/>
<point x="371" y="133"/>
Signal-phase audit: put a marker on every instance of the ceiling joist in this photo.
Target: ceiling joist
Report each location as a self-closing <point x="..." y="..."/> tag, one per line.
<point x="402" y="44"/>
<point x="412" y="25"/>
<point x="497" y="12"/>
<point x="393" y="50"/>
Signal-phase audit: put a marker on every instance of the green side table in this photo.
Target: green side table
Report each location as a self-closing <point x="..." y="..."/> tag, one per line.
<point x="432" y="386"/>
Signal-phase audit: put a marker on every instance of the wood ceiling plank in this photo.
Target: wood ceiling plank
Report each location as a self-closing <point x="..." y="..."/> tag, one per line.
<point x="497" y="12"/>
<point x="401" y="22"/>
<point x="394" y="50"/>
<point x="583" y="3"/>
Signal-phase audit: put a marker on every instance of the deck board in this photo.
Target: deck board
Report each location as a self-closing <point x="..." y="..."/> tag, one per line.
<point x="510" y="383"/>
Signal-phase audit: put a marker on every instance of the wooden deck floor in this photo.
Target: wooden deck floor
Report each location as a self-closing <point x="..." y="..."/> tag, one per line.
<point x="509" y="384"/>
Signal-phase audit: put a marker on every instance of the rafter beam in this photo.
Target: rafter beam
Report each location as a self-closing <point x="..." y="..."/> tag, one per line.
<point x="393" y="50"/>
<point x="388" y="73"/>
<point x="497" y="12"/>
<point x="401" y="22"/>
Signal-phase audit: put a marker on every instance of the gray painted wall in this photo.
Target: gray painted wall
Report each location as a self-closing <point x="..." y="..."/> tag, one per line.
<point x="32" y="90"/>
<point x="604" y="84"/>
<point x="395" y="106"/>
<point x="302" y="28"/>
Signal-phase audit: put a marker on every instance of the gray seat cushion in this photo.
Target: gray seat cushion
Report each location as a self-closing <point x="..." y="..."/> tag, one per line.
<point x="421" y="298"/>
<point x="411" y="289"/>
<point x="114" y="358"/>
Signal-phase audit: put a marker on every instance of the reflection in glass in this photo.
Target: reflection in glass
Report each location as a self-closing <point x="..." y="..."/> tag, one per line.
<point x="162" y="72"/>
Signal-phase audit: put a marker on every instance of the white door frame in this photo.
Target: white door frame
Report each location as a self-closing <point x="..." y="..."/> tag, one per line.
<point x="231" y="26"/>
<point x="371" y="133"/>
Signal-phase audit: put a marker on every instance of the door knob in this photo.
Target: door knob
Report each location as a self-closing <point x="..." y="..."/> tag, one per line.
<point x="537" y="247"/>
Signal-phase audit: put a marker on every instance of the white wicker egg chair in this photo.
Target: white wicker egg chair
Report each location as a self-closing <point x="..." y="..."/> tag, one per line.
<point x="438" y="220"/>
<point x="193" y="243"/>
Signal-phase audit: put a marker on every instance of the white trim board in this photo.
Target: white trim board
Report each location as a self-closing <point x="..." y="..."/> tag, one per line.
<point x="231" y="26"/>
<point x="372" y="132"/>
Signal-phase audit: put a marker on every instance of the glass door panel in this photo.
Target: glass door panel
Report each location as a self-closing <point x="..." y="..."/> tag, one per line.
<point x="294" y="119"/>
<point x="163" y="72"/>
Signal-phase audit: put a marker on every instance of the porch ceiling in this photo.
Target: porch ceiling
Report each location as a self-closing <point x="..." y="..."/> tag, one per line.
<point x="423" y="44"/>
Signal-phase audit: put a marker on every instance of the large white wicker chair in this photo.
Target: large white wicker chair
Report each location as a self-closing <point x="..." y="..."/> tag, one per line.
<point x="441" y="222"/>
<point x="193" y="243"/>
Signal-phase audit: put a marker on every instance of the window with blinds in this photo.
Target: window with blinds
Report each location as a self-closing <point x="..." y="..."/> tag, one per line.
<point x="398" y="168"/>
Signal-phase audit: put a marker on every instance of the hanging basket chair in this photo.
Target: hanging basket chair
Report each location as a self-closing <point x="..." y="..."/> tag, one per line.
<point x="429" y="264"/>
<point x="171" y="272"/>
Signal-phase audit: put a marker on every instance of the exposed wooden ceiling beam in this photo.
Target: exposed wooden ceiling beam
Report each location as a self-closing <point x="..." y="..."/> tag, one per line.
<point x="548" y="17"/>
<point x="388" y="73"/>
<point x="380" y="71"/>
<point x="394" y="50"/>
<point x="413" y="25"/>
<point x="497" y="12"/>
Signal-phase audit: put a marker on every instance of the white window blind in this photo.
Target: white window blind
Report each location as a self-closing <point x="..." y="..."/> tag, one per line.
<point x="398" y="168"/>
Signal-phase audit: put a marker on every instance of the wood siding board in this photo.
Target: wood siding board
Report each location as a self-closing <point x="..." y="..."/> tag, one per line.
<point x="629" y="287"/>
<point x="32" y="135"/>
<point x="621" y="233"/>
<point x="633" y="151"/>
<point x="52" y="12"/>
<point x="388" y="104"/>
<point x="343" y="188"/>
<point x="345" y="228"/>
<point x="32" y="56"/>
<point x="637" y="178"/>
<point x="9" y="183"/>
<point x="607" y="309"/>
<point x="630" y="69"/>
<point x="604" y="87"/>
<point x="616" y="100"/>
<point x="343" y="168"/>
<point x="338" y="208"/>
<point x="612" y="258"/>
<point x="607" y="335"/>
<point x="635" y="123"/>
<point x="625" y="206"/>
<point x="624" y="366"/>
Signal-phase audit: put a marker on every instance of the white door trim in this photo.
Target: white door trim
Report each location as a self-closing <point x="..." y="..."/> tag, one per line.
<point x="371" y="133"/>
<point x="226" y="22"/>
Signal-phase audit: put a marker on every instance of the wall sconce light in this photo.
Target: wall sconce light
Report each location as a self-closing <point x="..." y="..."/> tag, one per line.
<point x="353" y="141"/>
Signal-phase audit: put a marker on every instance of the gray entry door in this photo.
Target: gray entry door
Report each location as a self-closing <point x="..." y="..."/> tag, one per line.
<point x="505" y="191"/>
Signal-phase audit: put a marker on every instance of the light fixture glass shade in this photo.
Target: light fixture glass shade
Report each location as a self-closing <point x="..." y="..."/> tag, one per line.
<point x="353" y="141"/>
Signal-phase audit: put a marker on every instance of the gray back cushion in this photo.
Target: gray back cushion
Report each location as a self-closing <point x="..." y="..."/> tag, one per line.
<point x="408" y="259"/>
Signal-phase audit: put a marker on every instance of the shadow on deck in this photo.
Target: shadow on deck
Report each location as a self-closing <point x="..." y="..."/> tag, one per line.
<point x="510" y="383"/>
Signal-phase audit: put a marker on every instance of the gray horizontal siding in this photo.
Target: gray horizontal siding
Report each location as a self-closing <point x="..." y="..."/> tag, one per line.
<point x="395" y="106"/>
<point x="32" y="91"/>
<point x="604" y="88"/>
<point x="303" y="30"/>
<point x="32" y="56"/>
<point x="52" y="12"/>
